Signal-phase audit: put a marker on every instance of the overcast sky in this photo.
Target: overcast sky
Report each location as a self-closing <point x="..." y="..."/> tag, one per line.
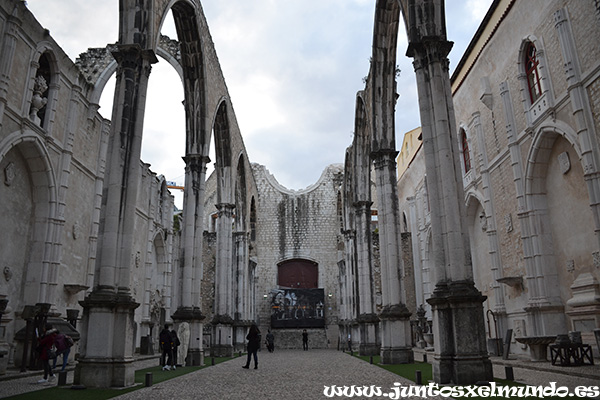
<point x="292" y="67"/>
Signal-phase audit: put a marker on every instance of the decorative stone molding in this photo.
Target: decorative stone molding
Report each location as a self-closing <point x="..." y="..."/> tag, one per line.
<point x="9" y="174"/>
<point x="564" y="162"/>
<point x="37" y="101"/>
<point x="7" y="273"/>
<point x="586" y="291"/>
<point x="74" y="288"/>
<point x="512" y="281"/>
<point x="508" y="223"/>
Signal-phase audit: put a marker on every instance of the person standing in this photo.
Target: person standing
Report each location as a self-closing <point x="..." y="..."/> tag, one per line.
<point x="349" y="342"/>
<point x="166" y="345"/>
<point x="63" y="345"/>
<point x="176" y="344"/>
<point x="270" y="341"/>
<point x="304" y="340"/>
<point x="44" y="348"/>
<point x="253" y="338"/>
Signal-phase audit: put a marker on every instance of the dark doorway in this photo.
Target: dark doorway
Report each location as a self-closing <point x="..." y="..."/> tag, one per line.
<point x="298" y="274"/>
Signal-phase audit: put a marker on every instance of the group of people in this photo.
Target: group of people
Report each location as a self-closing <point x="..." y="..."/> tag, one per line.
<point x="168" y="343"/>
<point x="52" y="344"/>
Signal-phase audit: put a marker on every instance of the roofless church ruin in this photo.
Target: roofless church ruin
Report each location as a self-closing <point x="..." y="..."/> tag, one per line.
<point x="92" y="243"/>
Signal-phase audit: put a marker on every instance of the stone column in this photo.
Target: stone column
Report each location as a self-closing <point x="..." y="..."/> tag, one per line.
<point x="350" y="275"/>
<point x="223" y="320"/>
<point x="9" y="44"/>
<point x="460" y="354"/>
<point x="107" y="360"/>
<point x="367" y="318"/>
<point x="396" y="346"/>
<point x="193" y="210"/>
<point x="241" y="320"/>
<point x="490" y="221"/>
<point x="65" y="173"/>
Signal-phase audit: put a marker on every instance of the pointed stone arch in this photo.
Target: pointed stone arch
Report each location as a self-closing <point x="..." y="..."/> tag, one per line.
<point x="25" y="149"/>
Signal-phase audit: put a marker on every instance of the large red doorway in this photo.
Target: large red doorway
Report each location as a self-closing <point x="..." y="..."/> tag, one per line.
<point x="298" y="274"/>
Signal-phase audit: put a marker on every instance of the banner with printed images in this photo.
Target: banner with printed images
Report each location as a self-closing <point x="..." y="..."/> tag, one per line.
<point x="297" y="308"/>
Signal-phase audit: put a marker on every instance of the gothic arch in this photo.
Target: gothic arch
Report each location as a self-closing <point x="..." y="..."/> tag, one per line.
<point x="241" y="190"/>
<point x="44" y="51"/>
<point x="222" y="136"/>
<point x="534" y="109"/>
<point x="383" y="74"/>
<point x="537" y="158"/>
<point x="44" y="209"/>
<point x="362" y="152"/>
<point x="98" y="65"/>
<point x="546" y="273"/>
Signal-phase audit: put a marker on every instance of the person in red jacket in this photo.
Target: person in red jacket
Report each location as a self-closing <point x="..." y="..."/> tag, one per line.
<point x="45" y="344"/>
<point x="63" y="347"/>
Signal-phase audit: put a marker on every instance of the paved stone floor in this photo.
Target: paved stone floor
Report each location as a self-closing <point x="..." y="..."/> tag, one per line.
<point x="295" y="374"/>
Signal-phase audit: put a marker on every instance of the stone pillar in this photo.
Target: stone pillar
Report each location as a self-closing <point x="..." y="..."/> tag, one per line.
<point x="223" y="320"/>
<point x="73" y="114"/>
<point x="489" y="223"/>
<point x="107" y="360"/>
<point x="9" y="44"/>
<point x="242" y="322"/>
<point x="350" y="275"/>
<point x="396" y="346"/>
<point x="193" y="210"/>
<point x="460" y="352"/>
<point x="367" y="318"/>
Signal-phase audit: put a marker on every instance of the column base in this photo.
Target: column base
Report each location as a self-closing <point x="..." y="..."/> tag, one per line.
<point x="369" y="334"/>
<point x="398" y="355"/>
<point x="105" y="373"/>
<point x="108" y="359"/>
<point x="461" y="371"/>
<point x="194" y="317"/>
<point x="396" y="343"/>
<point x="460" y="347"/>
<point x="195" y="357"/>
<point x="222" y="345"/>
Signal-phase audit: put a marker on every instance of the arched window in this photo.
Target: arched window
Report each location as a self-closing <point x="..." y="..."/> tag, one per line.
<point x="37" y="112"/>
<point x="253" y="220"/>
<point x="533" y="73"/>
<point x="465" y="151"/>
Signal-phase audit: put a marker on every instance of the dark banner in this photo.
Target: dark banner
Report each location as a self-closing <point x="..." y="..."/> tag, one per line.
<point x="297" y="308"/>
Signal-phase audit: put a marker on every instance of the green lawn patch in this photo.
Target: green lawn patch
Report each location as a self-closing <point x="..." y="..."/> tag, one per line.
<point x="408" y="371"/>
<point x="66" y="393"/>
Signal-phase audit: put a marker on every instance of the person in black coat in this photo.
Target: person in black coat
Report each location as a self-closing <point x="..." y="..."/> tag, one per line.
<point x="166" y="345"/>
<point x="253" y="338"/>
<point x="176" y="344"/>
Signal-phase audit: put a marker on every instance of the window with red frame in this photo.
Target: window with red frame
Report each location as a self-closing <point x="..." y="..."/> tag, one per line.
<point x="465" y="150"/>
<point x="533" y="73"/>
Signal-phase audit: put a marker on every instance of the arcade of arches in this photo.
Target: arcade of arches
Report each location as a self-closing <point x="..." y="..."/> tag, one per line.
<point x="492" y="205"/>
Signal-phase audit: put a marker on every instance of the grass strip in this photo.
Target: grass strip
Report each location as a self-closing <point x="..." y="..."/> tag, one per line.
<point x="408" y="371"/>
<point x="158" y="376"/>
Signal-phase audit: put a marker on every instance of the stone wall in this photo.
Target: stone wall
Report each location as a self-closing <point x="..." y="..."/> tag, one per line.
<point x="298" y="225"/>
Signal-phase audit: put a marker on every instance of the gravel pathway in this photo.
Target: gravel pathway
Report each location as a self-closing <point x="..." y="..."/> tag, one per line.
<point x="285" y="374"/>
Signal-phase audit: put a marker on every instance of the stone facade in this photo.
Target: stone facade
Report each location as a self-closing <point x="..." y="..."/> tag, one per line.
<point x="289" y="225"/>
<point x="53" y="155"/>
<point x="529" y="169"/>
